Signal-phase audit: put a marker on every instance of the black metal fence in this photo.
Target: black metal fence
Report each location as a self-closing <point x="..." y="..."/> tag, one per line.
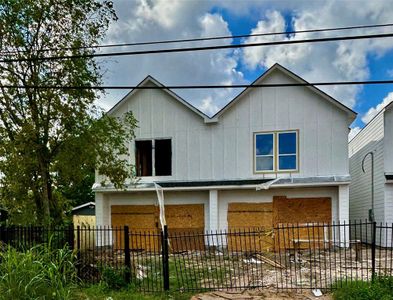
<point x="288" y="256"/>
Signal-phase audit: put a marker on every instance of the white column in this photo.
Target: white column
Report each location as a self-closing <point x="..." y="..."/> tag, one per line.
<point x="104" y="236"/>
<point x="213" y="210"/>
<point x="343" y="213"/>
<point x="213" y="215"/>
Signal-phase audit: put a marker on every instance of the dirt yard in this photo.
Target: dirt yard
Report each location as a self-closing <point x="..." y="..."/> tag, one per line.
<point x="266" y="294"/>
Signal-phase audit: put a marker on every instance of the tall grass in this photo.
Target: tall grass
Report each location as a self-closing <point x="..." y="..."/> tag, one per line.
<point x="37" y="273"/>
<point x="380" y="289"/>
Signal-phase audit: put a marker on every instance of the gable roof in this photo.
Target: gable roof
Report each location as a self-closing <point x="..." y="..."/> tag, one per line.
<point x="352" y="114"/>
<point x="149" y="79"/>
<point x="382" y="111"/>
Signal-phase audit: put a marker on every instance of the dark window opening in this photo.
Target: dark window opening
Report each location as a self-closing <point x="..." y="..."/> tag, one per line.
<point x="163" y="157"/>
<point x="144" y="166"/>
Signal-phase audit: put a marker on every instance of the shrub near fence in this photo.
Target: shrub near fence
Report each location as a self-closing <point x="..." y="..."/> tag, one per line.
<point x="291" y="256"/>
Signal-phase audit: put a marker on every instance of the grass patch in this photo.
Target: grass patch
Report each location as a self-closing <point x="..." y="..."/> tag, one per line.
<point x="41" y="272"/>
<point x="380" y="289"/>
<point x="100" y="292"/>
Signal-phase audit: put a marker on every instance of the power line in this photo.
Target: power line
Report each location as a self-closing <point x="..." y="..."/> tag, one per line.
<point x="189" y="49"/>
<point x="210" y="38"/>
<point x="174" y="87"/>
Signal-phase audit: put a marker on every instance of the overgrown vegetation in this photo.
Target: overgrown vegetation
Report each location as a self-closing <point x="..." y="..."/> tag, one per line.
<point x="99" y="292"/>
<point x="380" y="289"/>
<point x="51" y="139"/>
<point x="37" y="273"/>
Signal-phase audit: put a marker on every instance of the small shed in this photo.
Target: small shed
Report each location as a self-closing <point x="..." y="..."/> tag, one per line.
<point x="84" y="215"/>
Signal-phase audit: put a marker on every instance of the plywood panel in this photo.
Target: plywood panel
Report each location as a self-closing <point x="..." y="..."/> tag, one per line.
<point x="186" y="226"/>
<point x="301" y="210"/>
<point x="189" y="216"/>
<point x="249" y="215"/>
<point x="134" y="209"/>
<point x="250" y="226"/>
<point x="142" y="221"/>
<point x="184" y="222"/>
<point x="307" y="213"/>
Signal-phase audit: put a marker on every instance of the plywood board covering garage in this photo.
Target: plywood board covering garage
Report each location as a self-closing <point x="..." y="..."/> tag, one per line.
<point x="306" y="213"/>
<point x="141" y="220"/>
<point x="251" y="226"/>
<point x="301" y="210"/>
<point x="181" y="219"/>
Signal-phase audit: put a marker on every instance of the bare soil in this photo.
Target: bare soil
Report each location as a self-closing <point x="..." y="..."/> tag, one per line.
<point x="266" y="294"/>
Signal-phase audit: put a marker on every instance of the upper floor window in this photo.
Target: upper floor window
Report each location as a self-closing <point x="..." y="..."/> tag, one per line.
<point x="276" y="151"/>
<point x="153" y="157"/>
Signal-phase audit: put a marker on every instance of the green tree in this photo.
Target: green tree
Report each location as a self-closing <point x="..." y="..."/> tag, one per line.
<point x="50" y="139"/>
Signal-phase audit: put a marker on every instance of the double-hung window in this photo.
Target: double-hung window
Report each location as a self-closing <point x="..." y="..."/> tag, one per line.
<point x="276" y="151"/>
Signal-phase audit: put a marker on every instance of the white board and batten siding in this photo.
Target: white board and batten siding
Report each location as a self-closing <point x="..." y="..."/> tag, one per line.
<point x="388" y="161"/>
<point x="388" y="143"/>
<point x="224" y="150"/>
<point x="371" y="138"/>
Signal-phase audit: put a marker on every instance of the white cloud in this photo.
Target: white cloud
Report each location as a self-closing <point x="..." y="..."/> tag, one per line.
<point x="334" y="61"/>
<point x="373" y="111"/>
<point x="353" y="132"/>
<point x="208" y="106"/>
<point x="160" y="20"/>
<point x="146" y="20"/>
<point x="390" y="72"/>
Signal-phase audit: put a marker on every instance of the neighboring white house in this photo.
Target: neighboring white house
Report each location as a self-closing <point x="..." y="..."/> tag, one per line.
<point x="217" y="171"/>
<point x="376" y="136"/>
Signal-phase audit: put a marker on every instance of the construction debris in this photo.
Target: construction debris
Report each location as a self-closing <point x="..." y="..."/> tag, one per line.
<point x="269" y="261"/>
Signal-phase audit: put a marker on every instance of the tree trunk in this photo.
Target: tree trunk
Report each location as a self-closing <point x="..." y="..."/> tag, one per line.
<point x="46" y="190"/>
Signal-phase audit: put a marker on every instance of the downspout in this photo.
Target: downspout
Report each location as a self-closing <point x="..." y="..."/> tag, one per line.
<point x="371" y="216"/>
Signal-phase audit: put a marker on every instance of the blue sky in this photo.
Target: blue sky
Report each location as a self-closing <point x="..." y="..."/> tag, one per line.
<point x="381" y="67"/>
<point x="141" y="20"/>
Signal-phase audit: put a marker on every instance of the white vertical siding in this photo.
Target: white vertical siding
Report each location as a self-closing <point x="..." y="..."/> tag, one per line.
<point x="224" y="150"/>
<point x="369" y="139"/>
<point x="388" y="144"/>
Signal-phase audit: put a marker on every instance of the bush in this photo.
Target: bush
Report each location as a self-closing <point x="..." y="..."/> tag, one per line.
<point x="113" y="278"/>
<point x="38" y="273"/>
<point x="380" y="289"/>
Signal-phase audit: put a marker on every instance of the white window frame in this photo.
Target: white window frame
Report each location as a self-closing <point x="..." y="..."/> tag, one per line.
<point x="276" y="155"/>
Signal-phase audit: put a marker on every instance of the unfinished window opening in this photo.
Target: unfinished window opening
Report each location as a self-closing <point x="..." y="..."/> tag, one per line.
<point x="143" y="150"/>
<point x="153" y="157"/>
<point x="163" y="157"/>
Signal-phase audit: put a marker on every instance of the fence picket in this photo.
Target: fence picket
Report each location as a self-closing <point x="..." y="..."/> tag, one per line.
<point x="305" y="256"/>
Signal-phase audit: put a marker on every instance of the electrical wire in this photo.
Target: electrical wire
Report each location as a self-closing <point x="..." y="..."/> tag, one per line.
<point x="177" y="87"/>
<point x="209" y="38"/>
<point x="204" y="48"/>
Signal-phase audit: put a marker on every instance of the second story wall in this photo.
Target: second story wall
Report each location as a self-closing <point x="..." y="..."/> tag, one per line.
<point x="224" y="149"/>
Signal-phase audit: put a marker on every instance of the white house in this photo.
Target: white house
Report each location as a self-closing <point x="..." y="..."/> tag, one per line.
<point x="375" y="137"/>
<point x="217" y="172"/>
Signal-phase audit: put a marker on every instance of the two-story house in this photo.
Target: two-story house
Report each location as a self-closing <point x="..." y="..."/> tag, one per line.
<point x="271" y="155"/>
<point x="375" y="137"/>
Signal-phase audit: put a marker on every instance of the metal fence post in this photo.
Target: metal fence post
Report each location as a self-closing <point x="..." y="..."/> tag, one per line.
<point x="165" y="258"/>
<point x="127" y="258"/>
<point x="71" y="236"/>
<point x="78" y="248"/>
<point x="373" y="248"/>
